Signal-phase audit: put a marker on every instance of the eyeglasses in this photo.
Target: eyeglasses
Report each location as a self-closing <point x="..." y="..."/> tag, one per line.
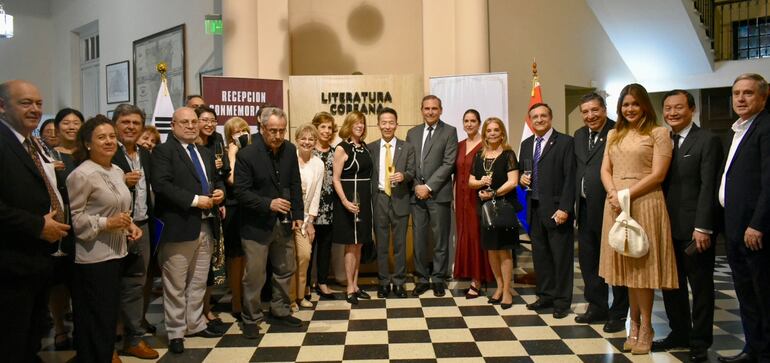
<point x="276" y="131"/>
<point x="188" y="123"/>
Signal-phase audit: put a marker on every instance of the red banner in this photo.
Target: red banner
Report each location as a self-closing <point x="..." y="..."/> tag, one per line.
<point x="241" y="97"/>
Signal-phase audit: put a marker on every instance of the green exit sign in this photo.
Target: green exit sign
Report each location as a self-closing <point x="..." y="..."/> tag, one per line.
<point x="213" y="24"/>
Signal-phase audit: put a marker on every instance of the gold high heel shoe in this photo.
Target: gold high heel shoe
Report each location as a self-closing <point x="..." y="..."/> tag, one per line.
<point x="633" y="336"/>
<point x="644" y="343"/>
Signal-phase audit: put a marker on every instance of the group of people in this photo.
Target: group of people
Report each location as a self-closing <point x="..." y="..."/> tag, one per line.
<point x="83" y="205"/>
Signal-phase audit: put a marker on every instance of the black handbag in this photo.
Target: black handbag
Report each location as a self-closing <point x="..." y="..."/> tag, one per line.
<point x="500" y="213"/>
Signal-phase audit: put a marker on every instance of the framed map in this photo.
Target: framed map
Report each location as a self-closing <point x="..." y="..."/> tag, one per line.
<point x="167" y="46"/>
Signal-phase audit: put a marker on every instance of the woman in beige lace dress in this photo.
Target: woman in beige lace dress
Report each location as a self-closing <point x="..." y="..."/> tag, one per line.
<point x="637" y="157"/>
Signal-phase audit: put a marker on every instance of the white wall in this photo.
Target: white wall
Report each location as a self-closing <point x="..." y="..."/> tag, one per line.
<point x="28" y="54"/>
<point x="45" y="55"/>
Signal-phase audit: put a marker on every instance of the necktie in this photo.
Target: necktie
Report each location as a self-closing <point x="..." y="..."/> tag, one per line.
<point x="676" y="137"/>
<point x="55" y="204"/>
<point x="591" y="140"/>
<point x="388" y="166"/>
<point x="427" y="141"/>
<point x="198" y="169"/>
<point x="538" y="144"/>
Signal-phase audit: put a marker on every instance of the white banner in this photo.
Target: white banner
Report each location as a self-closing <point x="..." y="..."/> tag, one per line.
<point x="487" y="93"/>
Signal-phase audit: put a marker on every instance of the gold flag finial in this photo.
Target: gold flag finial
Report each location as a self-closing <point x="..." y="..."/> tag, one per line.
<point x="534" y="67"/>
<point x="162" y="67"/>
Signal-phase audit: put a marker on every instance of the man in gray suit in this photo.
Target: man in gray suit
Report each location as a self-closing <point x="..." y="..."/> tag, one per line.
<point x="435" y="146"/>
<point x="394" y="171"/>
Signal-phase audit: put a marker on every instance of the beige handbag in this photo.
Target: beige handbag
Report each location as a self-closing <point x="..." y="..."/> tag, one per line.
<point x="626" y="236"/>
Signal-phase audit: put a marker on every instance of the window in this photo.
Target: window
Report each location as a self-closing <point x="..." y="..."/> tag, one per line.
<point x="751" y="38"/>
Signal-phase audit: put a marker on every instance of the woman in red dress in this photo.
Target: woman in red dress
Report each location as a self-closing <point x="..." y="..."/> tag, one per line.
<point x="470" y="260"/>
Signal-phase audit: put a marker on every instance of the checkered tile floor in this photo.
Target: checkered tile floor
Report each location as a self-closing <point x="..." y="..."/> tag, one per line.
<point x="434" y="329"/>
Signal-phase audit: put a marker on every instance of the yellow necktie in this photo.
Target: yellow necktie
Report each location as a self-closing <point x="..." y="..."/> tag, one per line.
<point x="388" y="166"/>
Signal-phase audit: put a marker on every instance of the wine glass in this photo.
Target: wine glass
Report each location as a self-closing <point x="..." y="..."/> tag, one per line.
<point x="55" y="155"/>
<point x="391" y="171"/>
<point x="286" y="194"/>
<point x="218" y="151"/>
<point x="357" y="203"/>
<point x="488" y="163"/>
<point x="59" y="252"/>
<point x="526" y="167"/>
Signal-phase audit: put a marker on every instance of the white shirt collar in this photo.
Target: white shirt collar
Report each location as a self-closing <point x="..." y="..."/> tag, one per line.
<point x="685" y="131"/>
<point x="742" y="125"/>
<point x="426" y="126"/>
<point x="392" y="143"/>
<point x="18" y="135"/>
<point x="546" y="136"/>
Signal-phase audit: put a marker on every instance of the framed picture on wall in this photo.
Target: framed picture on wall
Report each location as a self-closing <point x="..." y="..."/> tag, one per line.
<point x="168" y="47"/>
<point x="118" y="83"/>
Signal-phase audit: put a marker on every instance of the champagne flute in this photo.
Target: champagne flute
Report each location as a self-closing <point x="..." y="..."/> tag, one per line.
<point x="488" y="163"/>
<point x="391" y="171"/>
<point x="357" y="203"/>
<point x="59" y="252"/>
<point x="286" y="195"/>
<point x="526" y="166"/>
<point x="218" y="151"/>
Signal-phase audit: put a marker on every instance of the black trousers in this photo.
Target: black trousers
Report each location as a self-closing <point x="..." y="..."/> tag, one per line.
<point x="96" y="304"/>
<point x="553" y="252"/>
<point x="751" y="270"/>
<point x="694" y="327"/>
<point x="25" y="301"/>
<point x="322" y="252"/>
<point x="596" y="290"/>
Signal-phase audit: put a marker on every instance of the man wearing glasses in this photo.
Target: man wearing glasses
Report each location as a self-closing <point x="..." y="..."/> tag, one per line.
<point x="269" y="193"/>
<point x="187" y="188"/>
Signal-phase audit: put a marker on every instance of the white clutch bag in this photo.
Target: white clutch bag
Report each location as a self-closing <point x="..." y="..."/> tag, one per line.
<point x="626" y="236"/>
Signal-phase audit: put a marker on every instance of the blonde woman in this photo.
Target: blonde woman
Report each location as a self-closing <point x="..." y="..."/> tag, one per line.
<point x="495" y="174"/>
<point x="353" y="205"/>
<point x="311" y="171"/>
<point x="237" y="136"/>
<point x="322" y="246"/>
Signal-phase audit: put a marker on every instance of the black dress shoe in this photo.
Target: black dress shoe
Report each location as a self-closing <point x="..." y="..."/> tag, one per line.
<point x="361" y="294"/>
<point x="560" y="313"/>
<point x="439" y="289"/>
<point x="352" y="299"/>
<point x="668" y="343"/>
<point x="540" y="304"/>
<point x="590" y="317"/>
<point x="208" y="333"/>
<point x="383" y="291"/>
<point x="399" y="291"/>
<point x="420" y="288"/>
<point x="250" y="331"/>
<point x="741" y="357"/>
<point x="698" y="355"/>
<point x="176" y="346"/>
<point x="614" y="325"/>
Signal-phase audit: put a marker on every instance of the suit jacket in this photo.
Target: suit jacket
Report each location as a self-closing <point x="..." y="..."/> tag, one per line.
<point x="556" y="171"/>
<point x="437" y="167"/>
<point x="403" y="161"/>
<point x="257" y="184"/>
<point x="692" y="184"/>
<point x="747" y="183"/>
<point x="588" y="174"/>
<point x="176" y="183"/>
<point x="24" y="201"/>
<point x="145" y="158"/>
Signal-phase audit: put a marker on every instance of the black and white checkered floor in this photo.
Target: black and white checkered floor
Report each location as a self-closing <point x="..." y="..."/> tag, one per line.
<point x="433" y="329"/>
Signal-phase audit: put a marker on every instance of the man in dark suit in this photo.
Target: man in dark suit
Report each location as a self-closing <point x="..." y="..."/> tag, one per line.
<point x="31" y="213"/>
<point x="135" y="163"/>
<point x="393" y="170"/>
<point x="551" y="202"/>
<point x="690" y="189"/>
<point x="269" y="192"/>
<point x="590" y="141"/>
<point x="435" y="147"/>
<point x="744" y="192"/>
<point x="187" y="191"/>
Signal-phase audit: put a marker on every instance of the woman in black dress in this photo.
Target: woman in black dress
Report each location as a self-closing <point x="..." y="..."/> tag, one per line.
<point x="495" y="174"/>
<point x="352" y="207"/>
